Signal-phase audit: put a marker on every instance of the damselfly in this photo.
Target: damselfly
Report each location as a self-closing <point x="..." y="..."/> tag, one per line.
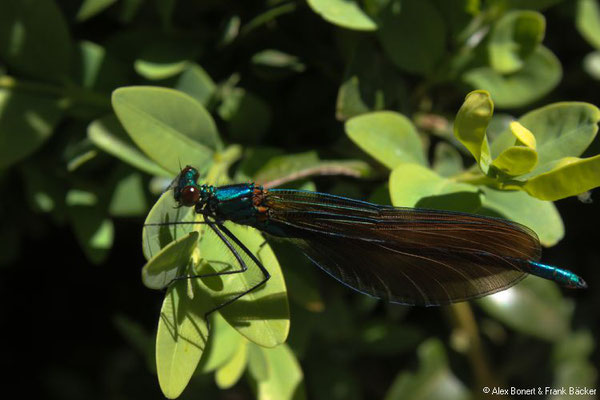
<point x="401" y="255"/>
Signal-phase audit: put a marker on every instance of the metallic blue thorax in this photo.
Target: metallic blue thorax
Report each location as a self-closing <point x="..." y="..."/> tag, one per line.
<point x="234" y="203"/>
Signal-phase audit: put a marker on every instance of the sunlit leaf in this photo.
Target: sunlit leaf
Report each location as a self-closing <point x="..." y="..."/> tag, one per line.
<point x="128" y="197"/>
<point x="181" y="337"/>
<point x="285" y="379"/>
<point x="346" y="14"/>
<point x="471" y="123"/>
<point x="540" y="74"/>
<point x="569" y="176"/>
<point x="196" y="82"/>
<point x="535" y="307"/>
<point x="228" y="374"/>
<point x="171" y="127"/>
<point x="90" y="8"/>
<point x="520" y="158"/>
<point x="170" y="263"/>
<point x="258" y="366"/>
<point x="412" y="185"/>
<point x="561" y="130"/>
<point x="262" y="315"/>
<point x="541" y="216"/>
<point x="514" y="38"/>
<point x="163" y="59"/>
<point x="587" y="21"/>
<point x="108" y="134"/>
<point x="388" y="137"/>
<point x="223" y="343"/>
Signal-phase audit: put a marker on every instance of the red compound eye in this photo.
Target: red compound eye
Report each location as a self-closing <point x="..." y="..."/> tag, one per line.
<point x="189" y="196"/>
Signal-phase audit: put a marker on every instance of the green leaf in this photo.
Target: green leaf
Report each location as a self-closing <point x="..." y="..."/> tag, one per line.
<point x="540" y="74"/>
<point x="258" y="366"/>
<point x="587" y="21"/>
<point x="388" y="137"/>
<point x="569" y="176"/>
<point x="412" y="185"/>
<point x="279" y="170"/>
<point x="561" y="130"/>
<point x="90" y="8"/>
<point x="248" y="116"/>
<point x="535" y="307"/>
<point x="196" y="82"/>
<point x="34" y="39"/>
<point x="170" y="263"/>
<point x="96" y="69"/>
<point x="520" y="158"/>
<point x="158" y="229"/>
<point x="285" y="378"/>
<point x="26" y="122"/>
<point x="370" y="84"/>
<point x="95" y="232"/>
<point x="108" y="134"/>
<point x="80" y="154"/>
<point x="268" y="16"/>
<point x="514" y="38"/>
<point x="541" y="216"/>
<point x="228" y="374"/>
<point x="46" y="193"/>
<point x="578" y="345"/>
<point x="223" y="344"/>
<point x="128" y="198"/>
<point x="471" y="123"/>
<point x="262" y="316"/>
<point x="181" y="336"/>
<point x="164" y="58"/>
<point x="447" y="161"/>
<point x="171" y="127"/>
<point x="346" y="14"/>
<point x="413" y="35"/>
<point x="591" y="64"/>
<point x="433" y="380"/>
<point x="254" y="159"/>
<point x="231" y="30"/>
<point x="272" y="64"/>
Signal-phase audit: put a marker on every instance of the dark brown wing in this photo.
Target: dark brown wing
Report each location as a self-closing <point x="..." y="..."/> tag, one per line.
<point x="403" y="255"/>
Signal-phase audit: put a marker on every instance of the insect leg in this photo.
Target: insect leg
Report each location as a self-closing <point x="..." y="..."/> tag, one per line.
<point x="262" y="268"/>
